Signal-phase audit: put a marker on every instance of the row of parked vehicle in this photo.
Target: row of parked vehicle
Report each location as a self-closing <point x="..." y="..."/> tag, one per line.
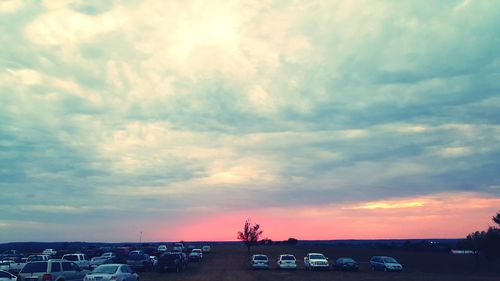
<point x="110" y="266"/>
<point x="178" y="258"/>
<point x="318" y="261"/>
<point x="139" y="260"/>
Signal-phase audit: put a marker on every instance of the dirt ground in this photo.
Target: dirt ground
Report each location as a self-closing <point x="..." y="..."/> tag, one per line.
<point x="230" y="262"/>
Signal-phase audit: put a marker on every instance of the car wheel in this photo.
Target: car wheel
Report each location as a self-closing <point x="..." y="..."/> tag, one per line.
<point x="385" y="269"/>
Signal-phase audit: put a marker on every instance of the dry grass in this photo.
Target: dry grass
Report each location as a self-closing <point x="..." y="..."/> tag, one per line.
<point x="230" y="262"/>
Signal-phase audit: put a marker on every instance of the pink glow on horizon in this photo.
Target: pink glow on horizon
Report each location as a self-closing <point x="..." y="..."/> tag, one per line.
<point x="435" y="216"/>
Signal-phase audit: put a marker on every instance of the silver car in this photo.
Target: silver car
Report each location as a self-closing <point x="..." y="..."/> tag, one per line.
<point x="112" y="272"/>
<point x="51" y="270"/>
<point x="6" y="276"/>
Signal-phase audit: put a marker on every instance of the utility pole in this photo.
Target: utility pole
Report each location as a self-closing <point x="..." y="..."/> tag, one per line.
<point x="140" y="238"/>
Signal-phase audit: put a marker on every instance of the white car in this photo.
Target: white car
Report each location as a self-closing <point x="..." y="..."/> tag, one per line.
<point x="316" y="261"/>
<point x="112" y="272"/>
<point x="162" y="248"/>
<point x="287" y="261"/>
<point x="49" y="252"/>
<point x="196" y="254"/>
<point x="6" y="276"/>
<point x="259" y="261"/>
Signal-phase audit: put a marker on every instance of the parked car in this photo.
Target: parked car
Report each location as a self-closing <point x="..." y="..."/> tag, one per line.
<point x="162" y="248"/>
<point x="180" y="245"/>
<point x="112" y="272"/>
<point x="38" y="258"/>
<point x="206" y="249"/>
<point x="171" y="261"/>
<point x="196" y="255"/>
<point x="7" y="276"/>
<point x="12" y="265"/>
<point x="108" y="255"/>
<point x="50" y="252"/>
<point x="140" y="262"/>
<point x="80" y="259"/>
<point x="316" y="261"/>
<point x="286" y="261"/>
<point x="259" y="261"/>
<point x="97" y="261"/>
<point x="385" y="264"/>
<point x="190" y="248"/>
<point x="345" y="264"/>
<point x="53" y="270"/>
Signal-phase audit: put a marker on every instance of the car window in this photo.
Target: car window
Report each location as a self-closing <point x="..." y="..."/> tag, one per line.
<point x="4" y="274"/>
<point x="34" y="267"/>
<point x="66" y="266"/>
<point x="56" y="267"/>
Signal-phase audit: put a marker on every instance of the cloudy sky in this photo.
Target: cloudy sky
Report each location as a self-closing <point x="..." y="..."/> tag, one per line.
<point x="180" y="119"/>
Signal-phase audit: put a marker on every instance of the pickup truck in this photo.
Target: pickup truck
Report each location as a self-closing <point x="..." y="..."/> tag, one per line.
<point x="316" y="261"/>
<point x="80" y="259"/>
<point x="11" y="265"/>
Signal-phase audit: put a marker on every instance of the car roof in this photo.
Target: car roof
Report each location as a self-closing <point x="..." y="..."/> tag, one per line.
<point x="112" y="264"/>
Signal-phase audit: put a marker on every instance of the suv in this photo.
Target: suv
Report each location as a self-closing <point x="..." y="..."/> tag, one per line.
<point x="52" y="270"/>
<point x="171" y="261"/>
<point x="259" y="261"/>
<point x="140" y="262"/>
<point x="80" y="259"/>
<point x="385" y="263"/>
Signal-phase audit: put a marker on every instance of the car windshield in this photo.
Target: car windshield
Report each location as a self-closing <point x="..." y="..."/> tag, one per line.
<point x="346" y="260"/>
<point x="389" y="260"/>
<point x="35" y="267"/>
<point x="317" y="257"/>
<point x="108" y="269"/>
<point x="260" y="258"/>
<point x="196" y="251"/>
<point x="288" y="258"/>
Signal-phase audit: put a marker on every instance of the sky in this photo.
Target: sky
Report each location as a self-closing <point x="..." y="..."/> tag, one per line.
<point x="181" y="119"/>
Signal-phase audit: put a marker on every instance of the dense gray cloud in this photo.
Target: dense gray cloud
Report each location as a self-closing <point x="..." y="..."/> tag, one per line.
<point x="159" y="109"/>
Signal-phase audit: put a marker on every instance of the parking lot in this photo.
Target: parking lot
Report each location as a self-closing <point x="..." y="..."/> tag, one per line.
<point x="230" y="262"/>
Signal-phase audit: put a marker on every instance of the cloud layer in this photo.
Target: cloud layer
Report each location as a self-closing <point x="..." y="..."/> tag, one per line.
<point x="134" y="112"/>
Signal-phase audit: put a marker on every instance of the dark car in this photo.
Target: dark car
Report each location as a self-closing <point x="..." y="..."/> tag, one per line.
<point x="140" y="262"/>
<point x="385" y="264"/>
<point x="345" y="264"/>
<point x="171" y="261"/>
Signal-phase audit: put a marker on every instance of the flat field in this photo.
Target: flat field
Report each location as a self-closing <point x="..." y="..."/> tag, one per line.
<point x="230" y="262"/>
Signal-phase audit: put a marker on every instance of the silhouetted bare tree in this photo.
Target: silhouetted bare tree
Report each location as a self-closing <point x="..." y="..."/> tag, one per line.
<point x="250" y="234"/>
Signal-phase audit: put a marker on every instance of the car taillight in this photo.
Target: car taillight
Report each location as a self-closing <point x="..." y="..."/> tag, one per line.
<point x="114" y="277"/>
<point x="47" y="277"/>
